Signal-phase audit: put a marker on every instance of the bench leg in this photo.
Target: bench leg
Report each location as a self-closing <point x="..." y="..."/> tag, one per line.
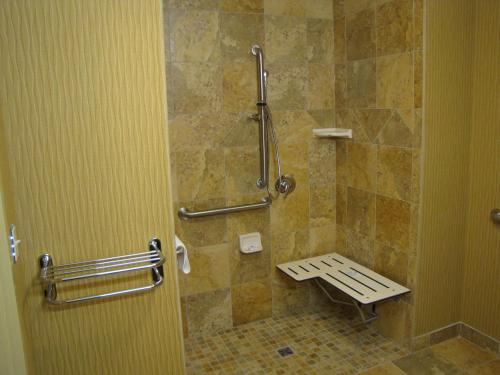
<point x="365" y="317"/>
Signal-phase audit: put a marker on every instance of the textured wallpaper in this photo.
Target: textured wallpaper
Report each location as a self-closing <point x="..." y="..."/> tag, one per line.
<point x="82" y="95"/>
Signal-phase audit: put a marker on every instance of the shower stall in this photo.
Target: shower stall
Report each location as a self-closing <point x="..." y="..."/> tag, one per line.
<point x="176" y="196"/>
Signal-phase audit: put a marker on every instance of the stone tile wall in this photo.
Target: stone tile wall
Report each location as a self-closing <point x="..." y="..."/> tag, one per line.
<point x="378" y="93"/>
<point x="214" y="149"/>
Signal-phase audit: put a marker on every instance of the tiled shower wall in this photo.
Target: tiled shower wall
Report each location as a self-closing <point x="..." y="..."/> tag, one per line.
<point x="378" y="93"/>
<point x="214" y="150"/>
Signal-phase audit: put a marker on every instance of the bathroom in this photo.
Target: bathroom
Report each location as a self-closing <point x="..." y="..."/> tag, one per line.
<point x="127" y="124"/>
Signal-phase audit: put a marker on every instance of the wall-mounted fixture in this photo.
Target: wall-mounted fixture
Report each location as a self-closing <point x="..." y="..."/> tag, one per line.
<point x="13" y="243"/>
<point x="285" y="184"/>
<point x="51" y="275"/>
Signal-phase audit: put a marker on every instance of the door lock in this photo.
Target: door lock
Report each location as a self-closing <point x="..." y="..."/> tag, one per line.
<point x="495" y="215"/>
<point x="13" y="242"/>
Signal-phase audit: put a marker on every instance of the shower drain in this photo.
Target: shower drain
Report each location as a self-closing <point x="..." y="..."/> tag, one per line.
<point x="285" y="351"/>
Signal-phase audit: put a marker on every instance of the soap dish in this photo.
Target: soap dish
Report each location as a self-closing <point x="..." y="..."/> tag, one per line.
<point x="332" y="133"/>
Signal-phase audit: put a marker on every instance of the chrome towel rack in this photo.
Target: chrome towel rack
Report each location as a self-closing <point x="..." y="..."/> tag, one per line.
<point x="51" y="275"/>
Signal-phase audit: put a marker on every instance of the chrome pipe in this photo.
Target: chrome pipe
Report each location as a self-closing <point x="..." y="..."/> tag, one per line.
<point x="185" y="214"/>
<point x="263" y="180"/>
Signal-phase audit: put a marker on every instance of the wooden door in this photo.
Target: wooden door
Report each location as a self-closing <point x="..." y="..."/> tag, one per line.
<point x="82" y="100"/>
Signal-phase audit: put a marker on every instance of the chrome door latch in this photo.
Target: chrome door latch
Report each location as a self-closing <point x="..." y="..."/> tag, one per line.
<point x="13" y="242"/>
<point x="495" y="215"/>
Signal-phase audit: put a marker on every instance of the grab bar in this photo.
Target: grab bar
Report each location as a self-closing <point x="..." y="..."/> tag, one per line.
<point x="185" y="214"/>
<point x="50" y="275"/>
<point x="263" y="180"/>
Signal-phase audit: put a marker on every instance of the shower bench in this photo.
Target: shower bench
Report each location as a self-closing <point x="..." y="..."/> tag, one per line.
<point x="364" y="286"/>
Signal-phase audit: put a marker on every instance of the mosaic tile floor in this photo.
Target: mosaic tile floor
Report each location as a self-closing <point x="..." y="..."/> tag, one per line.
<point x="323" y="342"/>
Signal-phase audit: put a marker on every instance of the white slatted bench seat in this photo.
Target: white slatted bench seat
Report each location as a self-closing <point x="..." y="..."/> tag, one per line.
<point x="363" y="285"/>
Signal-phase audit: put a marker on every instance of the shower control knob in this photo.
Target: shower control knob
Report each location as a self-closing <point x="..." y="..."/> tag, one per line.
<point x="285" y="185"/>
<point x="495" y="215"/>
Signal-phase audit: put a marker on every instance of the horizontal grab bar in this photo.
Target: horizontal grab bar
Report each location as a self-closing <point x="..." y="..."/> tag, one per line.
<point x="185" y="214"/>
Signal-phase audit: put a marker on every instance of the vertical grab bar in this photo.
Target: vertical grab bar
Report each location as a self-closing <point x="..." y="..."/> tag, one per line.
<point x="263" y="180"/>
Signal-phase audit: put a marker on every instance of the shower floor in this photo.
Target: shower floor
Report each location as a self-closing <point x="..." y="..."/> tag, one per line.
<point x="330" y="341"/>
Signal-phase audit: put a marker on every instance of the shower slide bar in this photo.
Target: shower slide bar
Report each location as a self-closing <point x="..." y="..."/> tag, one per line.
<point x="263" y="180"/>
<point x="51" y="275"/>
<point x="185" y="214"/>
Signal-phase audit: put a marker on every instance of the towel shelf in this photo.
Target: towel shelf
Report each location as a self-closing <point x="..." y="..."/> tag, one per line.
<point x="51" y="275"/>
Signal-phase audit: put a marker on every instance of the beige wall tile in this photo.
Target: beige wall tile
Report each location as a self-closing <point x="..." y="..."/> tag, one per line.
<point x="184" y="317"/>
<point x="293" y="127"/>
<point x="240" y="87"/>
<point x="251" y="301"/>
<point x="323" y="118"/>
<point x="320" y="94"/>
<point x="340" y="85"/>
<point x="398" y="131"/>
<point x="206" y="130"/>
<point x="320" y="9"/>
<point x="393" y="321"/>
<point x="360" y="248"/>
<point x="238" y="33"/>
<point x="286" y="39"/>
<point x="200" y="174"/>
<point x="291" y="214"/>
<point x="249" y="267"/>
<point x="391" y="263"/>
<point x="354" y="6"/>
<point x="395" y="81"/>
<point x="200" y="46"/>
<point x="372" y="121"/>
<point x="394" y="27"/>
<point x="240" y="129"/>
<point x="338" y="8"/>
<point x="341" y="204"/>
<point x="209" y="269"/>
<point x="394" y="172"/>
<point x="243" y="6"/>
<point x="345" y="118"/>
<point x="241" y="170"/>
<point x="361" y="84"/>
<point x="196" y="88"/>
<point x="339" y="40"/>
<point x="287" y="86"/>
<point x="193" y="4"/>
<point x="319" y="39"/>
<point x="201" y="232"/>
<point x="322" y="239"/>
<point x="289" y="246"/>
<point x="288" y="295"/>
<point x="393" y="222"/>
<point x="341" y="162"/>
<point x="295" y="8"/>
<point x="340" y="239"/>
<point x="321" y="162"/>
<point x="322" y="205"/>
<point x="362" y="165"/>
<point x="360" y="35"/>
<point x="209" y="312"/>
<point x="360" y="212"/>
<point x="418" y="24"/>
